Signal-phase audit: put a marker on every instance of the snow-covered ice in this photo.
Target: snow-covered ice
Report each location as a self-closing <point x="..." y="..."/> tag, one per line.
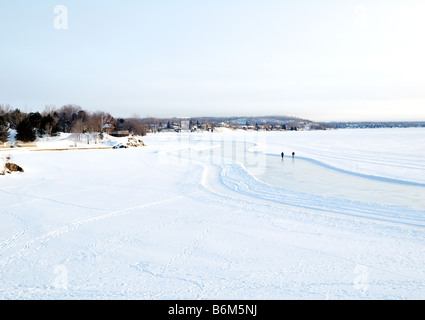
<point x="196" y="216"/>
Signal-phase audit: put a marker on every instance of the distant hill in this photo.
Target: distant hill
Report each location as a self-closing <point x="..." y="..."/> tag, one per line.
<point x="375" y="124"/>
<point x="254" y="119"/>
<point x="248" y="123"/>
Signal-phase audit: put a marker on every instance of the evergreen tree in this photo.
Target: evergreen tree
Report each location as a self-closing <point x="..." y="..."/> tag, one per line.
<point x="35" y="120"/>
<point x="48" y="125"/>
<point x="14" y="117"/>
<point x="25" y="131"/>
<point x="4" y="129"/>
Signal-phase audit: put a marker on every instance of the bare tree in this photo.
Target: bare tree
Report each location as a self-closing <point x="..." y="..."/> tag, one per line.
<point x="67" y="115"/>
<point x="5" y="109"/>
<point x="98" y="120"/>
<point x="77" y="129"/>
<point x="49" y="109"/>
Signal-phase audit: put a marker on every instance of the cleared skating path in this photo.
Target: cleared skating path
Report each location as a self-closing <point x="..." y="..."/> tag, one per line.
<point x="153" y="223"/>
<point x="305" y="175"/>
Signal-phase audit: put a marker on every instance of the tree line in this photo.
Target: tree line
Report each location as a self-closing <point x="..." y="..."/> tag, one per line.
<point x="67" y="119"/>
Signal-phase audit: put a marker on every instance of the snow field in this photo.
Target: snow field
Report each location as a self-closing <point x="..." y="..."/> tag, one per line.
<point x="161" y="223"/>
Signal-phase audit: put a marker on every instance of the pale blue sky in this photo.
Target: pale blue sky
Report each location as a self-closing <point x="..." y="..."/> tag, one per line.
<point x="322" y="60"/>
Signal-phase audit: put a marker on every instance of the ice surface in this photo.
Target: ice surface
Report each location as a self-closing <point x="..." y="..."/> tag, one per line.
<point x="307" y="175"/>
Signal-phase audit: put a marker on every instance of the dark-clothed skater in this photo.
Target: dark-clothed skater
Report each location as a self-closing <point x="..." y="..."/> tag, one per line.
<point x="282" y="155"/>
<point x="293" y="154"/>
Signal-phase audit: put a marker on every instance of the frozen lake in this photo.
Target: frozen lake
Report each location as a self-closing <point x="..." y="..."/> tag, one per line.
<point x="228" y="220"/>
<point x="307" y="175"/>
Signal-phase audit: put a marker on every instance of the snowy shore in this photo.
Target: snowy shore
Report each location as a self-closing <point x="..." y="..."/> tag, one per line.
<point x="166" y="222"/>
